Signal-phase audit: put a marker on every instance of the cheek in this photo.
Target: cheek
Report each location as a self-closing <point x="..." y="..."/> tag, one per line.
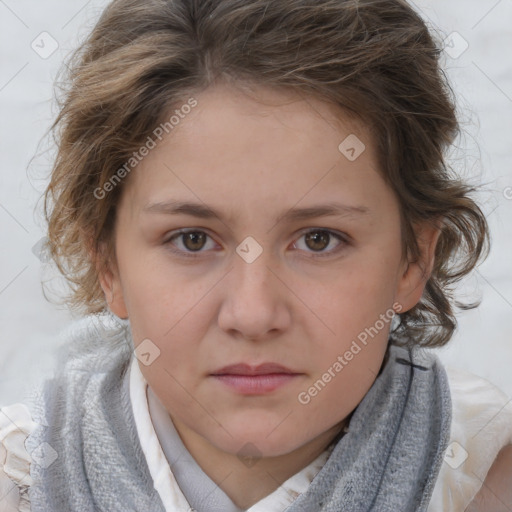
<point x="166" y="315"/>
<point x="350" y="298"/>
<point x="337" y="392"/>
<point x="346" y="358"/>
<point x="348" y="345"/>
<point x="158" y="293"/>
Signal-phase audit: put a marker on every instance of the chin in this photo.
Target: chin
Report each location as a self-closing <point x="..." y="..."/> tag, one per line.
<point x="256" y="441"/>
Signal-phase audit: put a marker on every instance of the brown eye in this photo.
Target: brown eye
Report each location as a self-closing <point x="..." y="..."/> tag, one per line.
<point x="190" y="243"/>
<point x="194" y="240"/>
<point x="317" y="240"/>
<point x="321" y="242"/>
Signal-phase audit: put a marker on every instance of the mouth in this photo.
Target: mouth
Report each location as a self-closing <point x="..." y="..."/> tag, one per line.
<point x="247" y="369"/>
<point x="255" y="380"/>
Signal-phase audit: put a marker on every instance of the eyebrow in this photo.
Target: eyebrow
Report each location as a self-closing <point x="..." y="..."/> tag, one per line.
<point x="204" y="211"/>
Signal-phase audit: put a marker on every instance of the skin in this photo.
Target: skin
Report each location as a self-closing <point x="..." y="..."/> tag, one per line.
<point x="253" y="161"/>
<point x="496" y="492"/>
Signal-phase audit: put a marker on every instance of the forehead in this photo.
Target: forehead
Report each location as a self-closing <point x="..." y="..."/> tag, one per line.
<point x="246" y="152"/>
<point x="268" y="113"/>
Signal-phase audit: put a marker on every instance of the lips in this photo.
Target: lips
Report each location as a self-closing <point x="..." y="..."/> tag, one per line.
<point x="246" y="379"/>
<point x="262" y="369"/>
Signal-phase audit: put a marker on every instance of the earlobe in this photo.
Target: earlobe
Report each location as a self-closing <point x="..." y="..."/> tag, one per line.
<point x="111" y="285"/>
<point x="416" y="273"/>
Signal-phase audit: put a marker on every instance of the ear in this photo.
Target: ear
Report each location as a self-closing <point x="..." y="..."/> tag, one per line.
<point x="110" y="282"/>
<point x="415" y="274"/>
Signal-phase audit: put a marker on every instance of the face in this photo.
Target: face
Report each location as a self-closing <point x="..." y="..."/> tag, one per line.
<point x="301" y="258"/>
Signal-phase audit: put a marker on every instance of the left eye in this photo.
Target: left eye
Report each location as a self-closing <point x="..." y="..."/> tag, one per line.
<point x="316" y="242"/>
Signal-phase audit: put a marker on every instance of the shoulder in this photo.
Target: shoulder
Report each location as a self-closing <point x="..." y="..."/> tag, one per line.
<point x="15" y="425"/>
<point x="481" y="428"/>
<point x="496" y="491"/>
<point x="481" y="412"/>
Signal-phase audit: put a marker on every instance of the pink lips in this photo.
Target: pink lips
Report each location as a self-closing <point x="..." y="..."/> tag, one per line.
<point x="255" y="380"/>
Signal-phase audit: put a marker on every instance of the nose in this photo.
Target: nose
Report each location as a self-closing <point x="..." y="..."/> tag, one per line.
<point x="256" y="302"/>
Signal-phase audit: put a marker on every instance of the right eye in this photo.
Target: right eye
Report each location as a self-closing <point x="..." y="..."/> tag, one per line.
<point x="190" y="242"/>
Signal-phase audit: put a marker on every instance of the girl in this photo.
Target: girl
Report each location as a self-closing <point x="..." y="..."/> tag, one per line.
<point x="251" y="204"/>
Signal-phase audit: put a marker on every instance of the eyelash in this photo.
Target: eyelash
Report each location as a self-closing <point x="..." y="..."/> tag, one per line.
<point x="190" y="254"/>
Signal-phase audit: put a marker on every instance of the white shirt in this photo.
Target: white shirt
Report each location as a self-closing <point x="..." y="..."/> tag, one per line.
<point x="481" y="426"/>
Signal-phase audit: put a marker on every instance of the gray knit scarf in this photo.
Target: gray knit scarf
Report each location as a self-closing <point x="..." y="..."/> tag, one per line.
<point x="87" y="455"/>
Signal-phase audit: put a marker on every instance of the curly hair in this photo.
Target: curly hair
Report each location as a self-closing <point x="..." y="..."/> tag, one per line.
<point x="375" y="59"/>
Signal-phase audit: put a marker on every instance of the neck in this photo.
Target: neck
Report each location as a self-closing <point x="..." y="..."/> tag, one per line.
<point x="246" y="484"/>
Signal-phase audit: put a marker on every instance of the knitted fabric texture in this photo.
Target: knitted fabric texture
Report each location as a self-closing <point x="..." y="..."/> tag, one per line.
<point x="87" y="457"/>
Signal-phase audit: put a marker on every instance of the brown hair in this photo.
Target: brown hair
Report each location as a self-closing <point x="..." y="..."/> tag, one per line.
<point x="375" y="59"/>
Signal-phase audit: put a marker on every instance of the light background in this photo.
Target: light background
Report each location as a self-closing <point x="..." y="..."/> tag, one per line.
<point x="481" y="76"/>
